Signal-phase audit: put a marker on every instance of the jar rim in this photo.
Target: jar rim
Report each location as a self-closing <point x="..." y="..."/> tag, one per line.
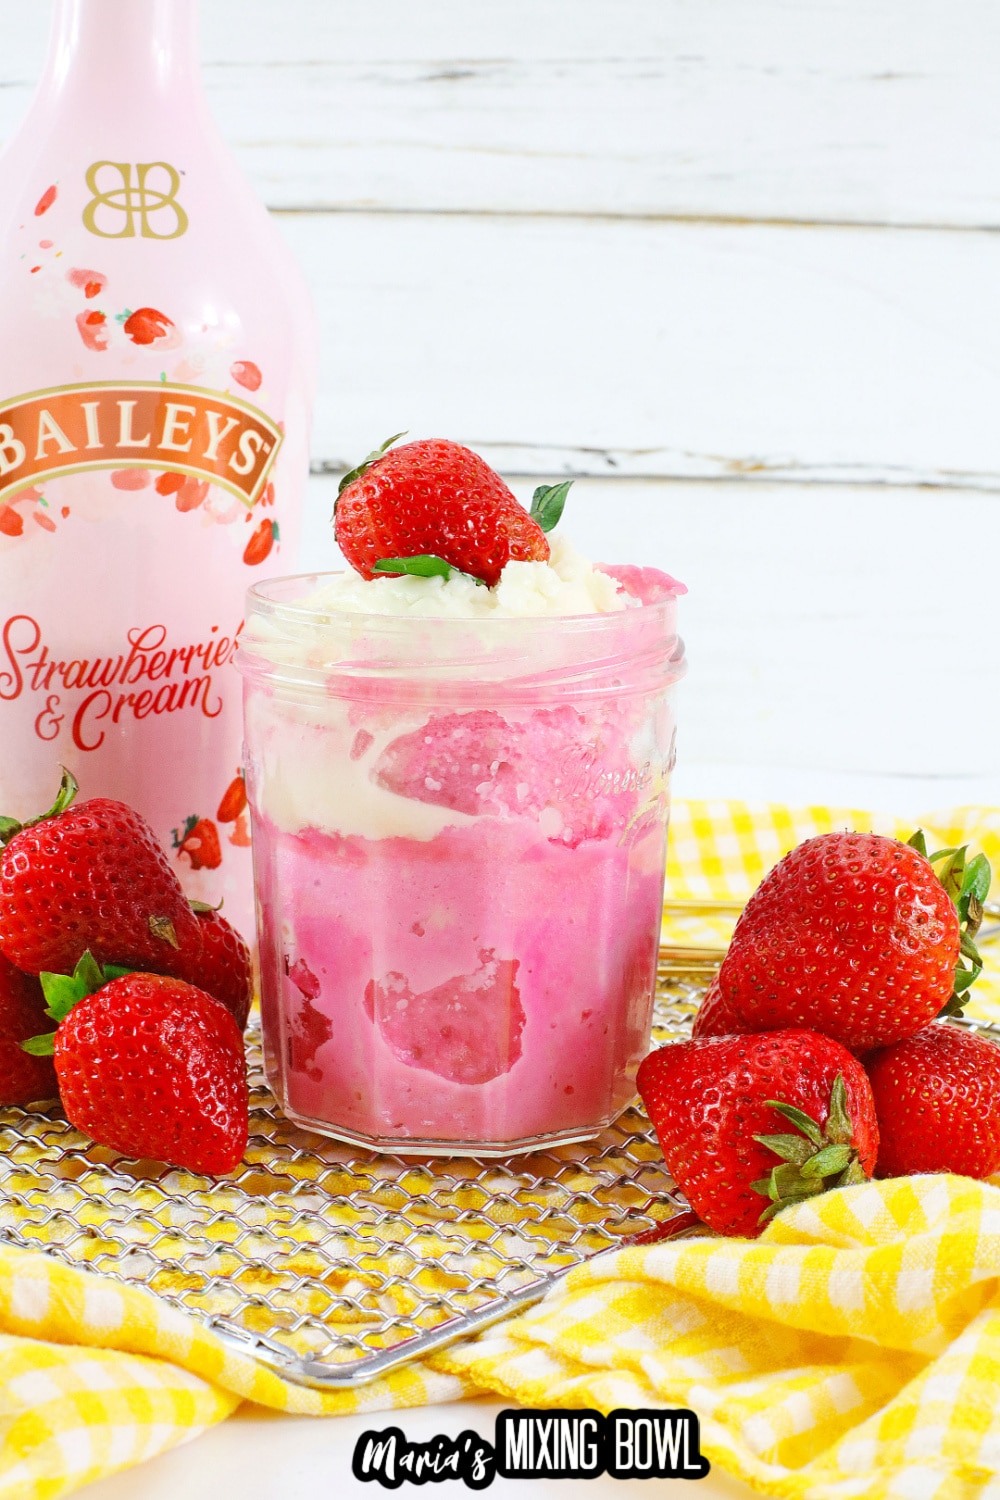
<point x="260" y="601"/>
<point x="309" y="649"/>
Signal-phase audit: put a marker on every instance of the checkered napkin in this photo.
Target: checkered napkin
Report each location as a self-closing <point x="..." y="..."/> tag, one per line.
<point x="854" y="1350"/>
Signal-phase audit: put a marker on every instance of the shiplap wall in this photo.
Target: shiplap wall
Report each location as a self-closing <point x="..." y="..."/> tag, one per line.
<point x="734" y="263"/>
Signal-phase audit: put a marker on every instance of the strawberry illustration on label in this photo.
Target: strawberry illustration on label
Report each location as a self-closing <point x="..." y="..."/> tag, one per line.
<point x="246" y="374"/>
<point x="200" y="842"/>
<point x="260" y="544"/>
<point x="147" y="326"/>
<point x="130" y="479"/>
<point x="191" y="494"/>
<point x="240" y="836"/>
<point x="169" y="483"/>
<point x="90" y="283"/>
<point x="234" y="800"/>
<point x="94" y="330"/>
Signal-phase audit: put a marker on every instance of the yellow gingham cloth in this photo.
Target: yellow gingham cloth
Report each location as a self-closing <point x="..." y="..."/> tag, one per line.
<point x="854" y="1350"/>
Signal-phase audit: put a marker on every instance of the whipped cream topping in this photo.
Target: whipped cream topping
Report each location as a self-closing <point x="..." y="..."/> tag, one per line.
<point x="565" y="585"/>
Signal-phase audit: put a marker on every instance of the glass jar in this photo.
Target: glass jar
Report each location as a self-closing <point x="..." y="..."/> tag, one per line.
<point x="459" y="839"/>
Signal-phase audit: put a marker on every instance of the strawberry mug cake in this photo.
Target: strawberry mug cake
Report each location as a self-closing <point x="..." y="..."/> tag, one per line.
<point x="458" y="759"/>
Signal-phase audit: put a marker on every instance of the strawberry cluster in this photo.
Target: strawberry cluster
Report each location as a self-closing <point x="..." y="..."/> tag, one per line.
<point x="829" y="1015"/>
<point x="149" y="993"/>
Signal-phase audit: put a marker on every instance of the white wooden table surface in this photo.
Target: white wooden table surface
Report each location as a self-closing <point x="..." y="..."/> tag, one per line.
<point x="737" y="268"/>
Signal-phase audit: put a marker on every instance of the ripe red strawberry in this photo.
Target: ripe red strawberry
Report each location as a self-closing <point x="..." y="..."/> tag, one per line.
<point x="90" y="876"/>
<point x="222" y="967"/>
<point x="937" y="1096"/>
<point x="851" y="934"/>
<point x="434" y="499"/>
<point x="23" y="1079"/>
<point x="154" y="1067"/>
<point x="713" y="1017"/>
<point x="720" y="1106"/>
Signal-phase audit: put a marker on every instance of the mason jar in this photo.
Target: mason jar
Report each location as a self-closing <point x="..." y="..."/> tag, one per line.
<point x="459" y="839"/>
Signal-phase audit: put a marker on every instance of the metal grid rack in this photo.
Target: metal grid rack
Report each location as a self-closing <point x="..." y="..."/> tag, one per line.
<point x="329" y="1264"/>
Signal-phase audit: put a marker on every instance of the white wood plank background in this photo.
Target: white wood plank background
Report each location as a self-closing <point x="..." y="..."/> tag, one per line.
<point x="662" y="349"/>
<point x="877" y="111"/>
<point x="737" y="263"/>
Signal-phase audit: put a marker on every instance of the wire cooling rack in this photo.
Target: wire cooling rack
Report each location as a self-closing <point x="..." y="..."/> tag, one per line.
<point x="329" y="1264"/>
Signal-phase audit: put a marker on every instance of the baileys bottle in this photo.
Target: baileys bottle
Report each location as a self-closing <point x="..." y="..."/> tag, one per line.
<point x="156" y="379"/>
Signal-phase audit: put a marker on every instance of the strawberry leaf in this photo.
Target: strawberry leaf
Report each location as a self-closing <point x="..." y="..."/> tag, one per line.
<point x="40" y="1046"/>
<point x="918" y="841"/>
<point x="799" y="1119"/>
<point x="61" y="994"/>
<point x="826" y="1162"/>
<point x="794" y="1148"/>
<point x="426" y="565"/>
<point x="838" y="1124"/>
<point x="63" y="991"/>
<point x="968" y="885"/>
<point x="790" y="1182"/>
<point x="365" y="465"/>
<point x="975" y="889"/>
<point x="548" y="503"/>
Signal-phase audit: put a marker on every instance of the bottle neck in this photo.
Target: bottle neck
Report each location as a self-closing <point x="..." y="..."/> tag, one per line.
<point x="116" y="55"/>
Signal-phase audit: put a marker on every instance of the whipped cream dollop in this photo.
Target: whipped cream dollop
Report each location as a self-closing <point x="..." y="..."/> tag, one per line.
<point x="565" y="585"/>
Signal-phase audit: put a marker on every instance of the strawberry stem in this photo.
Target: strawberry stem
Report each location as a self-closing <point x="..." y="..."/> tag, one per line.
<point x="365" y="465"/>
<point x="68" y="788"/>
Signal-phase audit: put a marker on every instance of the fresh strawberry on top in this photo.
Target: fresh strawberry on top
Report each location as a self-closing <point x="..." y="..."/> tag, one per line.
<point x="222" y="966"/>
<point x="149" y="1066"/>
<point x="23" y="1079"/>
<point x="90" y="876"/>
<point x="722" y="1107"/>
<point x="937" y="1096"/>
<point x="854" y="935"/>
<point x="434" y="502"/>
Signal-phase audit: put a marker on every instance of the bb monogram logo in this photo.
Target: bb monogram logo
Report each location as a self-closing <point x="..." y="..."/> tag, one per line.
<point x="121" y="202"/>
